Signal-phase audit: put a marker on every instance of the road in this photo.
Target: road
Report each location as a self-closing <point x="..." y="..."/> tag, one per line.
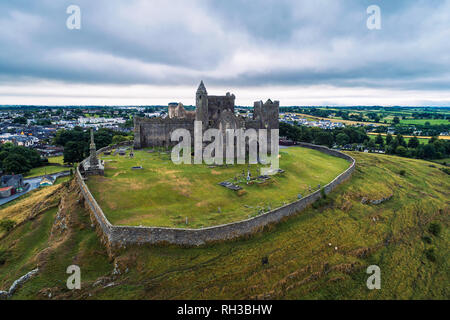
<point x="34" y="184"/>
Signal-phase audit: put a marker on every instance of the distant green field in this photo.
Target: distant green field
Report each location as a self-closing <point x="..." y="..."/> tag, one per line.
<point x="164" y="194"/>
<point x="58" y="159"/>
<point x="40" y="171"/>
<point x="442" y="161"/>
<point x="423" y="121"/>
<point x="421" y="140"/>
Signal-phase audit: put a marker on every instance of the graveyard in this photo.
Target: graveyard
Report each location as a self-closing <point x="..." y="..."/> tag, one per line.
<point x="148" y="189"/>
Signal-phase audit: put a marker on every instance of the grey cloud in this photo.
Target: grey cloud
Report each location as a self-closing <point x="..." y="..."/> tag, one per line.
<point x="177" y="42"/>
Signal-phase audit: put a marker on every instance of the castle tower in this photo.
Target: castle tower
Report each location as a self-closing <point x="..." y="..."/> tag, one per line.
<point x="93" y="161"/>
<point x="201" y="105"/>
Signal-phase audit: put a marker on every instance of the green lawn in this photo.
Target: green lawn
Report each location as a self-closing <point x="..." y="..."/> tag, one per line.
<point x="40" y="171"/>
<point x="164" y="194"/>
<point x="58" y="159"/>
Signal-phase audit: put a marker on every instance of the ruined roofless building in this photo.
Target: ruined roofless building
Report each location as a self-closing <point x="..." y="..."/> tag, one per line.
<point x="214" y="112"/>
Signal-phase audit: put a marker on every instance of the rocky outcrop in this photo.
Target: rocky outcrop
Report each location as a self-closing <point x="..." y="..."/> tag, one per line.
<point x="16" y="284"/>
<point x="365" y="200"/>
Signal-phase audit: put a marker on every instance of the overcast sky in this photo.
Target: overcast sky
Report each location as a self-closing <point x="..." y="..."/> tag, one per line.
<point x="149" y="52"/>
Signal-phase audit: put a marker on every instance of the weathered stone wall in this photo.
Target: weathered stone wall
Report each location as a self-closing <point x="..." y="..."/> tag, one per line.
<point x="156" y="132"/>
<point x="118" y="236"/>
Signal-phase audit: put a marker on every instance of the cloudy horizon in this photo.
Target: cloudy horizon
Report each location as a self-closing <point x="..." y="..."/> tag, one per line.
<point x="154" y="52"/>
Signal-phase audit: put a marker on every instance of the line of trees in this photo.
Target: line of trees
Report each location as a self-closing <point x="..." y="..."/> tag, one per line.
<point x="76" y="141"/>
<point x="434" y="149"/>
<point x="339" y="136"/>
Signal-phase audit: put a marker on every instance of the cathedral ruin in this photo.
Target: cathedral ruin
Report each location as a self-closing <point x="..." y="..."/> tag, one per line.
<point x="214" y="112"/>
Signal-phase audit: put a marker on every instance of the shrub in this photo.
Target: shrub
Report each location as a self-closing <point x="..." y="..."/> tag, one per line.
<point x="430" y="254"/>
<point x="435" y="229"/>
<point x="7" y="225"/>
<point x="402" y="172"/>
<point x="4" y="255"/>
<point x="446" y="170"/>
<point x="426" y="239"/>
<point x="322" y="202"/>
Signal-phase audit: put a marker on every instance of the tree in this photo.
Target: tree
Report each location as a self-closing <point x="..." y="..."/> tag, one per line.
<point x="342" y="139"/>
<point x="64" y="136"/>
<point x="429" y="151"/>
<point x="73" y="152"/>
<point x="433" y="139"/>
<point x="396" y="120"/>
<point x="103" y="137"/>
<point x="379" y="140"/>
<point x="16" y="163"/>
<point x="117" y="139"/>
<point x="400" y="140"/>
<point x="324" y="138"/>
<point x="413" y="142"/>
<point x="20" y="120"/>
<point x="389" y="138"/>
<point x="401" y="151"/>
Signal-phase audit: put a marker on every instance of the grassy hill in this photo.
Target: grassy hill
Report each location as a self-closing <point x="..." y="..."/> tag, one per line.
<point x="395" y="235"/>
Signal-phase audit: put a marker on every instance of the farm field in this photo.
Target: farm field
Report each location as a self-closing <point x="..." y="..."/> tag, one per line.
<point x="421" y="138"/>
<point x="302" y="264"/>
<point x="347" y="122"/>
<point x="164" y="194"/>
<point x="422" y="121"/>
<point x="384" y="114"/>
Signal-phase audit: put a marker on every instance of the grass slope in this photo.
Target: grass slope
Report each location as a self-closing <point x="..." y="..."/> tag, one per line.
<point x="302" y="265"/>
<point x="164" y="194"/>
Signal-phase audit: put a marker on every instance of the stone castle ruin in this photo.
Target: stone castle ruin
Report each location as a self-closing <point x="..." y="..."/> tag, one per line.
<point x="214" y="112"/>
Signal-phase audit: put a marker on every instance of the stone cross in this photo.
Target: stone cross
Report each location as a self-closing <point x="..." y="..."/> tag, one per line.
<point x="93" y="161"/>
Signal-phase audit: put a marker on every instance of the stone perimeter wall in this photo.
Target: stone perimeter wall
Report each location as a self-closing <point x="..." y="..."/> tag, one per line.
<point x="119" y="236"/>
